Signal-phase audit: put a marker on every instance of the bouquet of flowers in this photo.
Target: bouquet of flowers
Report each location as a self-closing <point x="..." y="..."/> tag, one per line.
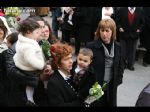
<point x="95" y="93"/>
<point x="46" y="49"/>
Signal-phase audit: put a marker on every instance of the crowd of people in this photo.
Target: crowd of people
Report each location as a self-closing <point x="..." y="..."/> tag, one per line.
<point x="105" y="44"/>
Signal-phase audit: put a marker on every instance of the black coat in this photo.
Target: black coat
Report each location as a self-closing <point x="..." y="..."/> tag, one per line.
<point x="99" y="67"/>
<point x="130" y="30"/>
<point x="83" y="80"/>
<point x="86" y="20"/>
<point x="4" y="80"/>
<point x="144" y="97"/>
<point x="60" y="93"/>
<point x="18" y="80"/>
<point x="146" y="30"/>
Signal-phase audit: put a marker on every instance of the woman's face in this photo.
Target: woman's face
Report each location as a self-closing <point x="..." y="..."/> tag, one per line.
<point x="106" y="35"/>
<point x="66" y="63"/>
<point x="42" y="26"/>
<point x="1" y="35"/>
<point x="46" y="32"/>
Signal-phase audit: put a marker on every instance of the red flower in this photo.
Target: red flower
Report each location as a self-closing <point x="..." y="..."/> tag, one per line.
<point x="52" y="49"/>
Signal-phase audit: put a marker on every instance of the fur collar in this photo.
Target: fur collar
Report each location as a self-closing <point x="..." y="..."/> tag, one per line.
<point x="24" y="39"/>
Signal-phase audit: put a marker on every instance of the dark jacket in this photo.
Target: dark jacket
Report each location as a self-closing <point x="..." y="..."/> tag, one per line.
<point x="98" y="64"/>
<point x="83" y="80"/>
<point x="18" y="80"/>
<point x="60" y="93"/>
<point x="144" y="97"/>
<point x="4" y="80"/>
<point x="146" y="30"/>
<point x="130" y="29"/>
<point x="86" y="21"/>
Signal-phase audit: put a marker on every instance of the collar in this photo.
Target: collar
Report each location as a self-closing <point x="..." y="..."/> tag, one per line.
<point x="24" y="39"/>
<point x="64" y="75"/>
<point x="98" y="43"/>
<point x="78" y="69"/>
<point x="131" y="10"/>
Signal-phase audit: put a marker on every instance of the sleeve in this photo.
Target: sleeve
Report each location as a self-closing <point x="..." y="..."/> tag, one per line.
<point x="119" y="17"/>
<point x="34" y="58"/>
<point x="142" y="20"/>
<point x="120" y="70"/>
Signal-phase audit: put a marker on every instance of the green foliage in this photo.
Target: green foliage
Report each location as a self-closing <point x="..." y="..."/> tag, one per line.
<point x="46" y="49"/>
<point x="97" y="90"/>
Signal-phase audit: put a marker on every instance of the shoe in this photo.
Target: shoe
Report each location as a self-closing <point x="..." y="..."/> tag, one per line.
<point x="30" y="104"/>
<point x="145" y="64"/>
<point x="131" y="68"/>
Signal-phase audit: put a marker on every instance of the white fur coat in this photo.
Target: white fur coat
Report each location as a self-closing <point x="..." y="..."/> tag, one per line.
<point x="29" y="55"/>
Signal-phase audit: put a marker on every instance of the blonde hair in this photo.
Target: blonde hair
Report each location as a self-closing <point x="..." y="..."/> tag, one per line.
<point x="106" y="23"/>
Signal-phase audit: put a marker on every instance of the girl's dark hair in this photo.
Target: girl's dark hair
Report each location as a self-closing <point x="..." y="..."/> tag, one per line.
<point x="13" y="37"/>
<point x="28" y="24"/>
<point x="3" y="27"/>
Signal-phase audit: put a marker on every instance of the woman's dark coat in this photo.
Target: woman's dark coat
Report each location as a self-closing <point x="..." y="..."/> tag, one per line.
<point x="60" y="93"/>
<point x="18" y="80"/>
<point x="99" y="67"/>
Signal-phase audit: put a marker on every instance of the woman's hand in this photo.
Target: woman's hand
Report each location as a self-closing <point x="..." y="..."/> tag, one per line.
<point x="46" y="73"/>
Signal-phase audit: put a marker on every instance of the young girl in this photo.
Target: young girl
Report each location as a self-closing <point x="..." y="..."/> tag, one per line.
<point x="29" y="56"/>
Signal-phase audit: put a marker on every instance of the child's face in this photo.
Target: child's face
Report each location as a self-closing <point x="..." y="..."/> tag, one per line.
<point x="36" y="34"/>
<point x="83" y="61"/>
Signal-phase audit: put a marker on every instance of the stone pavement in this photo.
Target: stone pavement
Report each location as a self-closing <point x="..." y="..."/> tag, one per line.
<point x="133" y="83"/>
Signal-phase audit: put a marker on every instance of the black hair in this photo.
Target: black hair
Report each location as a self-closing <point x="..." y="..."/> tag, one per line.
<point x="28" y="24"/>
<point x="12" y="38"/>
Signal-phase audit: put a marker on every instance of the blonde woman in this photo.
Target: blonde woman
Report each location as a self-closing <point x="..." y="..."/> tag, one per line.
<point x="107" y="61"/>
